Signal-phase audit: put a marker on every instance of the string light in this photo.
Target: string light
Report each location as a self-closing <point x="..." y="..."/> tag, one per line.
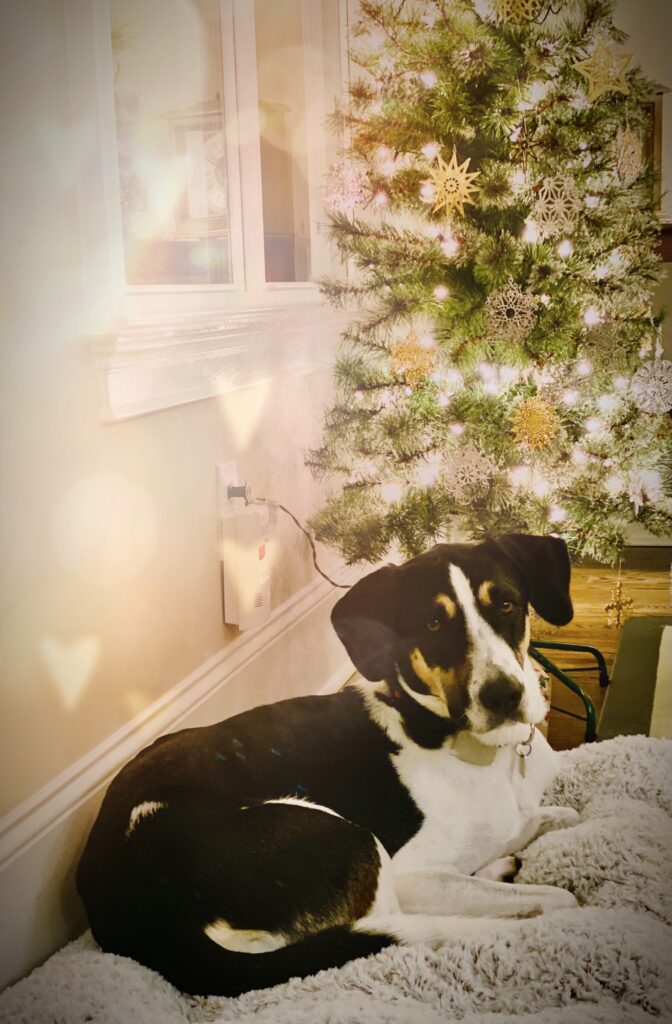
<point x="450" y="246"/>
<point x="519" y="475"/>
<point x="557" y="514"/>
<point x="540" y="486"/>
<point x="443" y="399"/>
<point x="593" y="424"/>
<point x="608" y="403"/>
<point x="531" y="232"/>
<point x="565" y="248"/>
<point x="584" y="367"/>
<point x="570" y="397"/>
<point x="614" y="485"/>
<point x="391" y="491"/>
<point x="456" y="428"/>
<point x="428" y="78"/>
<point x="579" y="457"/>
<point x="429" y="471"/>
<point x="441" y="292"/>
<point x="518" y="179"/>
<point x="592" y="316"/>
<point x="620" y="383"/>
<point x="381" y="198"/>
<point x="430" y="150"/>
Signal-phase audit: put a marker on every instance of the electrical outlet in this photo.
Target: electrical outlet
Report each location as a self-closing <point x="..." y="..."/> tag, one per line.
<point x="227" y="476"/>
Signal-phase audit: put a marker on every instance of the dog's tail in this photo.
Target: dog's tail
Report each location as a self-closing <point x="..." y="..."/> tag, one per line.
<point x="199" y="966"/>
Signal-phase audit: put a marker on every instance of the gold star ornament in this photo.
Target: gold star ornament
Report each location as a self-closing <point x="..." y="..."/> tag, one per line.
<point x="604" y="71"/>
<point x="412" y="361"/>
<point x="518" y="12"/>
<point x="451" y="184"/>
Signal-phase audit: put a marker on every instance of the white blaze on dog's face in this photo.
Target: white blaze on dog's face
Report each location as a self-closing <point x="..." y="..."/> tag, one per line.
<point x="449" y="632"/>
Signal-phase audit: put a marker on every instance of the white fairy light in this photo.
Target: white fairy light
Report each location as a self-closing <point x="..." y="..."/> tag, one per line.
<point x="570" y="397"/>
<point x="381" y="198"/>
<point x="427" y="341"/>
<point x="620" y="383"/>
<point x="456" y="428"/>
<point x="593" y="424"/>
<point x="519" y="475"/>
<point x="584" y="367"/>
<point x="608" y="403"/>
<point x="450" y="246"/>
<point x="408" y="391"/>
<point x="443" y="399"/>
<point x="487" y="371"/>
<point x="613" y="485"/>
<point x="592" y="202"/>
<point x="540" y="486"/>
<point x="531" y="231"/>
<point x="428" y="78"/>
<point x="518" y="178"/>
<point x="427" y="192"/>
<point x="601" y="271"/>
<point x="386" y="398"/>
<point x="579" y="457"/>
<point x="430" y="150"/>
<point x="508" y="374"/>
<point x="565" y="248"/>
<point x="433" y="229"/>
<point x="557" y="514"/>
<point x="441" y="292"/>
<point x="391" y="491"/>
<point x="454" y="378"/>
<point x="430" y="17"/>
<point x="545" y="299"/>
<point x="429" y="471"/>
<point x="592" y="316"/>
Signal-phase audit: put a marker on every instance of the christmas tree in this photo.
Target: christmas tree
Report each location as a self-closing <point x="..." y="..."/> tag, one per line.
<point x="501" y="369"/>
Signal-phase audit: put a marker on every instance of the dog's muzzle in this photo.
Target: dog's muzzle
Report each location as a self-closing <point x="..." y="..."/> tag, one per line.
<point x="502" y="696"/>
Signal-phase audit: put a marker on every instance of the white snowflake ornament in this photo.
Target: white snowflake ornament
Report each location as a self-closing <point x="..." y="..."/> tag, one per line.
<point x="510" y="312"/>
<point x="651" y="387"/>
<point x="468" y="472"/>
<point x="556" y="207"/>
<point x="345" y="186"/>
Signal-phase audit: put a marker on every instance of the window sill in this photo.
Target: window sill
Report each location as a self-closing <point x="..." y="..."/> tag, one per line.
<point x="158" y="362"/>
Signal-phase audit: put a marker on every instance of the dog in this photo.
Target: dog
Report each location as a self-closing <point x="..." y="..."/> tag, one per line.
<point x="302" y="834"/>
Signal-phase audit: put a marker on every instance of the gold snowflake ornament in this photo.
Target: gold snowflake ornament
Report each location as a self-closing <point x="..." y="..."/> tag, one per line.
<point x="629" y="153"/>
<point x="412" y="360"/>
<point x="510" y="313"/>
<point x="556" y="207"/>
<point x="604" y="71"/>
<point x="518" y="12"/>
<point x="452" y="184"/>
<point x="534" y="424"/>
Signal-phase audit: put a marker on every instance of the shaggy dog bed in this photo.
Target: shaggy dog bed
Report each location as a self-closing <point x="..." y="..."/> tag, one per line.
<point x="605" y="962"/>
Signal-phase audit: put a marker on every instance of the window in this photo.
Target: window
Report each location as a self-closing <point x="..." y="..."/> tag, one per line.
<point x="220" y="109"/>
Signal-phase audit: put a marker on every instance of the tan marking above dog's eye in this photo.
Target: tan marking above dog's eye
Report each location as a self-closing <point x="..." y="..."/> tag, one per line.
<point x="447" y="604"/>
<point x="485" y="592"/>
<point x="433" y="625"/>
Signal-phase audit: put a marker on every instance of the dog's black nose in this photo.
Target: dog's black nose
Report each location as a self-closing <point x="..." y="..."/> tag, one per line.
<point x="501" y="695"/>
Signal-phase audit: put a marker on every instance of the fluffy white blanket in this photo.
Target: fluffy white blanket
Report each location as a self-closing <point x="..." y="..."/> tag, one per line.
<point x="606" y="962"/>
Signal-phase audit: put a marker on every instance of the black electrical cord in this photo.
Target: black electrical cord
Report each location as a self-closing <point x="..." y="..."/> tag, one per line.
<point x="266" y="501"/>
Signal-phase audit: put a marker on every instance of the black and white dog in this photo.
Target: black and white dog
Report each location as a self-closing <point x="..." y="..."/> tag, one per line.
<point x="302" y="834"/>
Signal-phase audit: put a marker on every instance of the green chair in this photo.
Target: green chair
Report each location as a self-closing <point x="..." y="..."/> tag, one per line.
<point x="562" y="675"/>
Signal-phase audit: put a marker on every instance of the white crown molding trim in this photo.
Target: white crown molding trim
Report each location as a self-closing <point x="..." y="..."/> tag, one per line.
<point x="166" y="360"/>
<point x="55" y="802"/>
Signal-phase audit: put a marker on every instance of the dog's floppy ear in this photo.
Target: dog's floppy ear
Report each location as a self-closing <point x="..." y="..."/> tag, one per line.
<point x="364" y="621"/>
<point x="544" y="561"/>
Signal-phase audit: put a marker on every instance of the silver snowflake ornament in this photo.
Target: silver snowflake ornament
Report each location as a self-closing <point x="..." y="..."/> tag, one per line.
<point x="468" y="472"/>
<point x="510" y="312"/>
<point x="651" y="387"/>
<point x="556" y="207"/>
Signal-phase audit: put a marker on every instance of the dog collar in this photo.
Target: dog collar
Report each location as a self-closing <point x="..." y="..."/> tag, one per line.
<point x="467" y="748"/>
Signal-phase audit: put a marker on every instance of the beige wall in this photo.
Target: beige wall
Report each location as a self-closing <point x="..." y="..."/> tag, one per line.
<point x="110" y="590"/>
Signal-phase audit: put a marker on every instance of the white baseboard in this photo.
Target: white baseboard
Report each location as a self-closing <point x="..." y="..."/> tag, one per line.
<point x="295" y="653"/>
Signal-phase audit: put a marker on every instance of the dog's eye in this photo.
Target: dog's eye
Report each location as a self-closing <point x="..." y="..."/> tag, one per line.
<point x="433" y="625"/>
<point x="506" y="607"/>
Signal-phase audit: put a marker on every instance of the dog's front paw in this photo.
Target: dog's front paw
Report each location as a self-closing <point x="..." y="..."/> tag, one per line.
<point x="558" y="817"/>
<point x="552" y="897"/>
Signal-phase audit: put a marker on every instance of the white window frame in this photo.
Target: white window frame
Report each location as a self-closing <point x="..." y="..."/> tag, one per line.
<point x="167" y="345"/>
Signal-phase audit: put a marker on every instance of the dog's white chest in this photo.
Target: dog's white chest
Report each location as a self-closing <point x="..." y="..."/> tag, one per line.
<point x="472" y="812"/>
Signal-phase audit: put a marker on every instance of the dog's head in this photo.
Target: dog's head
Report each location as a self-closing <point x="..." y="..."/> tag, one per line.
<point x="449" y="630"/>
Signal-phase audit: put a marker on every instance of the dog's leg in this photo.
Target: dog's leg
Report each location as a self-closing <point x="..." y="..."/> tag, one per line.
<point x="546" y="819"/>
<point x="408" y="929"/>
<point x="423" y="892"/>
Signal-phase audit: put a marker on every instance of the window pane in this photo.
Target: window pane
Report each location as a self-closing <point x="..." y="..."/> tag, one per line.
<point x="171" y="142"/>
<point x="284" y="158"/>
